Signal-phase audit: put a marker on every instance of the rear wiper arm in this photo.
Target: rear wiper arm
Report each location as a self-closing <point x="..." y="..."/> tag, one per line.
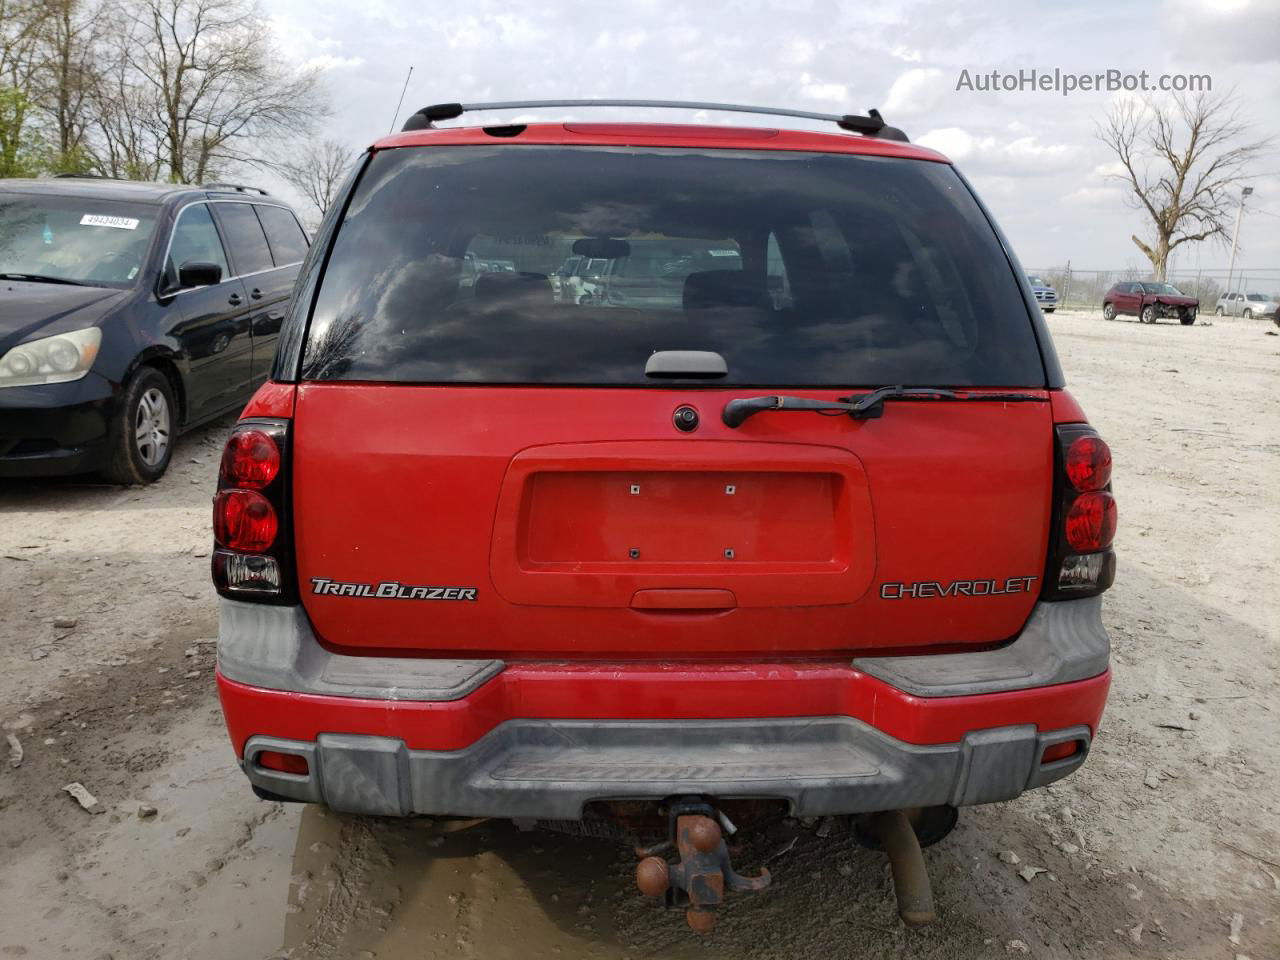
<point x="865" y="407"/>
<point x="41" y="278"/>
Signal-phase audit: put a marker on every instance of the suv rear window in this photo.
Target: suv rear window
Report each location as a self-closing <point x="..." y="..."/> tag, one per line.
<point x="800" y="269"/>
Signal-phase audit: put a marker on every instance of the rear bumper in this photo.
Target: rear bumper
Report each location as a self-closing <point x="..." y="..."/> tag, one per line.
<point x="550" y="769"/>
<point x="483" y="738"/>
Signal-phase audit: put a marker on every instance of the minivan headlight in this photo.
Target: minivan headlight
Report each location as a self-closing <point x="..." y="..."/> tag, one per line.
<point x="60" y="359"/>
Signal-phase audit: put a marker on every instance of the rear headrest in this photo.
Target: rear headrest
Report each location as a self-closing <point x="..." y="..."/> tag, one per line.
<point x="530" y="287"/>
<point x="724" y="288"/>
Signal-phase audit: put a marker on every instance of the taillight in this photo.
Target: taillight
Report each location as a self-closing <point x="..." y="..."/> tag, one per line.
<point x="253" y="559"/>
<point x="1088" y="463"/>
<point x="244" y="520"/>
<point x="1081" y="562"/>
<point x="1091" y="522"/>
<point x="251" y="459"/>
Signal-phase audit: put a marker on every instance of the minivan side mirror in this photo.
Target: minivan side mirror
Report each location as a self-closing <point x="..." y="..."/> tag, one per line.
<point x="198" y="273"/>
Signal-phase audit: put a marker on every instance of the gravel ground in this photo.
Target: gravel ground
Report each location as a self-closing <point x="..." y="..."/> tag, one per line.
<point x="1167" y="844"/>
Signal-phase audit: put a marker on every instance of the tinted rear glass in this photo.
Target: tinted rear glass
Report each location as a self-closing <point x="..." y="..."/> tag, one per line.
<point x="288" y="242"/>
<point x="246" y="242"/>
<point x="542" y="265"/>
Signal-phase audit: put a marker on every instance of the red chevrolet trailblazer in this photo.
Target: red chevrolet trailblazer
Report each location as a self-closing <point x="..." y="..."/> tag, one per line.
<point x="772" y="504"/>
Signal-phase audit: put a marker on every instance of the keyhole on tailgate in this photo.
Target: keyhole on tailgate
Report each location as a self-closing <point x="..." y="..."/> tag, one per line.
<point x="634" y="553"/>
<point x="685" y="418"/>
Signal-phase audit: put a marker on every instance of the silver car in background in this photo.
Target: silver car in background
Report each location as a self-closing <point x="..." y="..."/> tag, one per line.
<point x="1247" y="305"/>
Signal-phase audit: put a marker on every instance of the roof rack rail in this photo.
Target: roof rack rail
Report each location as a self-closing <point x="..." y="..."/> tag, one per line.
<point x="83" y="176"/>
<point x="234" y="187"/>
<point x="872" y="125"/>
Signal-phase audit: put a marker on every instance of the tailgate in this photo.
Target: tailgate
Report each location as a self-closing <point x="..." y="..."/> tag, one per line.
<point x="578" y="523"/>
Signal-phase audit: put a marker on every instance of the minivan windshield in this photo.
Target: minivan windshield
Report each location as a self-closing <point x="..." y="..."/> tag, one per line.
<point x="800" y="269"/>
<point x="98" y="242"/>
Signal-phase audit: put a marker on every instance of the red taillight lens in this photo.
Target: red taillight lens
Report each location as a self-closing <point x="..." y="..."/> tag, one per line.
<point x="282" y="762"/>
<point x="244" y="520"/>
<point x="251" y="459"/>
<point x="1060" y="751"/>
<point x="1091" y="522"/>
<point x="1089" y="463"/>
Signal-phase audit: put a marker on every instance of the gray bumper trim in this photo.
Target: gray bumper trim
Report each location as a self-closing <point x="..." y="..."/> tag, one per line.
<point x="1062" y="642"/>
<point x="274" y="647"/>
<point x="550" y="768"/>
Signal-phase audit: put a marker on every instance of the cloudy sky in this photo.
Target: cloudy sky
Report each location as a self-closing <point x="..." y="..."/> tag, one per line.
<point x="1032" y="155"/>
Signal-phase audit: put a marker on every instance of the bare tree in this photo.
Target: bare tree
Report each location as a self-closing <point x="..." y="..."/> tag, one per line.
<point x="218" y="89"/>
<point x="67" y="75"/>
<point x="21" y="23"/>
<point x="318" y="173"/>
<point x="1181" y="160"/>
<point x="127" y="136"/>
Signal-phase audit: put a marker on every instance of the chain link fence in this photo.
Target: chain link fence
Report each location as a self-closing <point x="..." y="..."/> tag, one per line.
<point x="1084" y="289"/>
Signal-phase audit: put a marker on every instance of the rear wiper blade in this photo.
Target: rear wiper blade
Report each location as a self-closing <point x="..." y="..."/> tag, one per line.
<point x="42" y="278"/>
<point x="867" y="406"/>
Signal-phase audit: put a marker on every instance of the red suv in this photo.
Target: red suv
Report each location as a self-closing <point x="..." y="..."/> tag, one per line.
<point x="812" y="528"/>
<point x="1149" y="301"/>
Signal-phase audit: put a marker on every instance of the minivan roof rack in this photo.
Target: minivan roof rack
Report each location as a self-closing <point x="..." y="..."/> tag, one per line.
<point x="872" y="125"/>
<point x="235" y="187"/>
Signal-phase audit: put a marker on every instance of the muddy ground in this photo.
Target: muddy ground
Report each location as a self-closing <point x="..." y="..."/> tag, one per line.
<point x="1166" y="845"/>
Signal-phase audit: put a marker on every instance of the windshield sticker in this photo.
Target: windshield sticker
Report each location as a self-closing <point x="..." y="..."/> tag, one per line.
<point x="100" y="220"/>
<point x="723" y="253"/>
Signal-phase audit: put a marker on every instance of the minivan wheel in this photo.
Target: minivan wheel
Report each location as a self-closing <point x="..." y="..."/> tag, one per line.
<point x="142" y="430"/>
<point x="1108" y="311"/>
<point x="1148" y="314"/>
<point x="1218" y="312"/>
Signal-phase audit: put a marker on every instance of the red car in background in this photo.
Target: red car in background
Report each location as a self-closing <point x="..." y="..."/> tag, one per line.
<point x="1149" y="301"/>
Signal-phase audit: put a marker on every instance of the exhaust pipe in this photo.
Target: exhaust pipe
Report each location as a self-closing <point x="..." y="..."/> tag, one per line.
<point x="910" y="876"/>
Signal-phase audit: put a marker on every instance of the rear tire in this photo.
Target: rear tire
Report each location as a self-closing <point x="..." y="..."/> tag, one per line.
<point x="142" y="431"/>
<point x="1187" y="319"/>
<point x="1108" y="311"/>
<point x="1218" y="312"/>
<point x="1248" y="314"/>
<point x="1149" y="314"/>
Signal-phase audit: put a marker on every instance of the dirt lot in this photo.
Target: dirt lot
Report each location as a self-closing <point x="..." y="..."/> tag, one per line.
<point x="1166" y="845"/>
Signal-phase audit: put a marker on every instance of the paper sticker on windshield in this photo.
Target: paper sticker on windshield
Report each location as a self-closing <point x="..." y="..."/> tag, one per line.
<point x="723" y="253"/>
<point x="99" y="220"/>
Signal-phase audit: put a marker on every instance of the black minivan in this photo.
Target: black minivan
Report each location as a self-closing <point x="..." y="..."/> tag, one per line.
<point x="130" y="312"/>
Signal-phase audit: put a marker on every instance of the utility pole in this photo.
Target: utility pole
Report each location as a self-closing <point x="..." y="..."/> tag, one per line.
<point x="1235" y="235"/>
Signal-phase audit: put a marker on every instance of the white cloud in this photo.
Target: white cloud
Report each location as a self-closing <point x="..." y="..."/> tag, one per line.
<point x="905" y="53"/>
<point x="1019" y="157"/>
<point x="327" y="61"/>
<point x="917" y="91"/>
<point x="833" y="92"/>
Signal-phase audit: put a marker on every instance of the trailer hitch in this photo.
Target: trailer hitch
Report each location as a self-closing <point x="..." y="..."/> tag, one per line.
<point x="704" y="871"/>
